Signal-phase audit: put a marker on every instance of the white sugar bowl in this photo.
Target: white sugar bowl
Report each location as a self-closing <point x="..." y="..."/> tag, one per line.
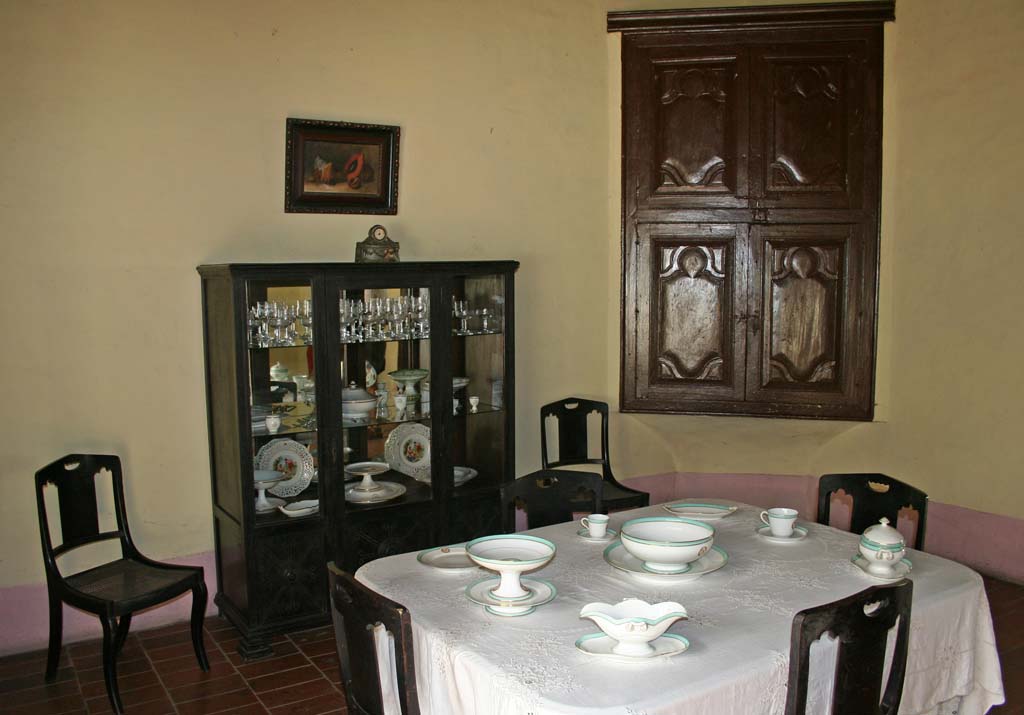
<point x="634" y="623"/>
<point x="882" y="547"/>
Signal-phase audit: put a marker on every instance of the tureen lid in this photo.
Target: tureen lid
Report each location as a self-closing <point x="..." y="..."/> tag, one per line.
<point x="882" y="533"/>
<point x="353" y="393"/>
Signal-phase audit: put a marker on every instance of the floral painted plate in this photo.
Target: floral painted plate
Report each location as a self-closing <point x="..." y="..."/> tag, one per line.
<point x="408" y="450"/>
<point x="291" y="459"/>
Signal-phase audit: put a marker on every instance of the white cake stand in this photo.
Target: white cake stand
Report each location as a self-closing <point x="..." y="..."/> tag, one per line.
<point x="263" y="479"/>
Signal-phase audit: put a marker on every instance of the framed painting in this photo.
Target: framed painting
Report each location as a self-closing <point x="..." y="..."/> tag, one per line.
<point x="340" y="167"/>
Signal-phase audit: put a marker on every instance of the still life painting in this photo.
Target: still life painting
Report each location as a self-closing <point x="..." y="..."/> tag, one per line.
<point x="341" y="167"/>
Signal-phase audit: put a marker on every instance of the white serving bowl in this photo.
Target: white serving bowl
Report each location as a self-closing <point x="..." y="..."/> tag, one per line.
<point x="634" y="623"/>
<point x="510" y="555"/>
<point x="667" y="544"/>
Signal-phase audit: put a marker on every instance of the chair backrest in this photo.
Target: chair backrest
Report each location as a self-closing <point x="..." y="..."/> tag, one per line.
<point x="874" y="496"/>
<point x="861" y="623"/>
<point x="74" y="477"/>
<point x="551" y="495"/>
<point x="571" y="414"/>
<point x="356" y="611"/>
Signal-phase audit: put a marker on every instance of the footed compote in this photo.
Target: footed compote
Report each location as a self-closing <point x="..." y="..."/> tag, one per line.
<point x="510" y="555"/>
<point x="366" y="470"/>
<point x="263" y="479"/>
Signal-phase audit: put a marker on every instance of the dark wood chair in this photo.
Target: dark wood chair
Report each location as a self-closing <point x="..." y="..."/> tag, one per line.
<point x="571" y="414"/>
<point x="550" y="496"/>
<point x="861" y="623"/>
<point x="112" y="591"/>
<point x="356" y="611"/>
<point x="874" y="496"/>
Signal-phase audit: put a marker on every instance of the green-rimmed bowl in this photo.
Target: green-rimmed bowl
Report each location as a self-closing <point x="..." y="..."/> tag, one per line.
<point x="510" y="555"/>
<point x="667" y="544"/>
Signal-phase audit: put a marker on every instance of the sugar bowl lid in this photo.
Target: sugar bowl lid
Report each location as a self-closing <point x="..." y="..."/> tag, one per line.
<point x="883" y="534"/>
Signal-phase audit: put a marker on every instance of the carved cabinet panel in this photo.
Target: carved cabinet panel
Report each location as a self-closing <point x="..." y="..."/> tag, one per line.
<point x="808" y="342"/>
<point x="750" y="191"/>
<point x="693" y="345"/>
<point x="691" y="126"/>
<point x="812" y="114"/>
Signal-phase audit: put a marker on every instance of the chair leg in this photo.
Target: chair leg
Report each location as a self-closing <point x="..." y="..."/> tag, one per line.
<point x="110" y="626"/>
<point x="198" y="613"/>
<point x="56" y="634"/>
<point x="123" y="625"/>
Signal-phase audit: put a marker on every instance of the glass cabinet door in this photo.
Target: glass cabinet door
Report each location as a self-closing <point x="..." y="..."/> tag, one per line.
<point x="282" y="399"/>
<point x="385" y="373"/>
<point x="480" y="432"/>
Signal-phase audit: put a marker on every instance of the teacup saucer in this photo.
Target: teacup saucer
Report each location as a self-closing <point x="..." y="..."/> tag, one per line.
<point x="608" y="536"/>
<point x="541" y="592"/>
<point x="600" y="645"/>
<point x="899" y="570"/>
<point x="765" y="532"/>
<point x="617" y="557"/>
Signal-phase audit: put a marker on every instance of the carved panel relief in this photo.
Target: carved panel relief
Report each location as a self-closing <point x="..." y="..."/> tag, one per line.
<point x="694" y="328"/>
<point x="291" y="579"/>
<point x="807" y="140"/>
<point x="695" y="145"/>
<point x="805" y="292"/>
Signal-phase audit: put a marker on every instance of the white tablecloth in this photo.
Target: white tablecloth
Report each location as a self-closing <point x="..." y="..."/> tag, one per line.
<point x="471" y="663"/>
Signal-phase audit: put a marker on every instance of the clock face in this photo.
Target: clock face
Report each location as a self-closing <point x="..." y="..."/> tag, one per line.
<point x="379" y="233"/>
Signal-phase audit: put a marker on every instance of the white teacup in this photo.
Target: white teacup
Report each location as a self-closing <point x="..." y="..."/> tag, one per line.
<point x="596" y="524"/>
<point x="401" y="401"/>
<point x="780" y="520"/>
<point x="273" y="423"/>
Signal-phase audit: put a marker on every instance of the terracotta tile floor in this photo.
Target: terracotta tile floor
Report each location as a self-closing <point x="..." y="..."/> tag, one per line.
<point x="158" y="672"/>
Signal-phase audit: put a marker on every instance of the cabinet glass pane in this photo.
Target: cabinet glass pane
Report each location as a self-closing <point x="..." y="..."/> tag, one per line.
<point x="282" y="391"/>
<point x="386" y="421"/>
<point x="478" y="363"/>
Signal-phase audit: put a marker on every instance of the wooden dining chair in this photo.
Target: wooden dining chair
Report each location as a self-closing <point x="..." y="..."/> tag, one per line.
<point x="112" y="591"/>
<point x="874" y="496"/>
<point x="573" y="448"/>
<point x="359" y="614"/>
<point x="551" y="496"/>
<point x="861" y="624"/>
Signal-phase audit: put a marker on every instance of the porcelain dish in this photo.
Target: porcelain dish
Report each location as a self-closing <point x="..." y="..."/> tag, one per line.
<point x="450" y="559"/>
<point x="601" y="646"/>
<point x="461" y="475"/>
<point x="510" y="555"/>
<point x="700" y="511"/>
<point x="361" y="469"/>
<point x="667" y="544"/>
<point x="407" y="450"/>
<point x="387" y="491"/>
<point x="300" y="508"/>
<point x="618" y="558"/>
<point x="538" y="592"/>
<point x="357" y="403"/>
<point x="291" y="459"/>
<point x="765" y="532"/>
<point x="634" y="623"/>
<point x="608" y="536"/>
<point x="897" y="572"/>
<point x="882" y="546"/>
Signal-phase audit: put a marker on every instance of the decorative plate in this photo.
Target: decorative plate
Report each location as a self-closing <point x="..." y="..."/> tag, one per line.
<point x="408" y="450"/>
<point x="617" y="556"/>
<point x="449" y="559"/>
<point x="387" y="491"/>
<point x="703" y="512"/>
<point x="291" y="459"/>
<point x="463" y="475"/>
<point x="765" y="532"/>
<point x="601" y="645"/>
<point x="609" y="535"/>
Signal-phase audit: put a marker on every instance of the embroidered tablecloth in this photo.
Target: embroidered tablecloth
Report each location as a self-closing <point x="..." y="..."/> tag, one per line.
<point x="472" y="663"/>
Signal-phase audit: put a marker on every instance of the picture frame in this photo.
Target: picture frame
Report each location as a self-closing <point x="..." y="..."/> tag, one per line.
<point x="340" y="167"/>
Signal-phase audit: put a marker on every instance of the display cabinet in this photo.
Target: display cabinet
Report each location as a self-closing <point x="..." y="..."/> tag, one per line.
<point x="355" y="411"/>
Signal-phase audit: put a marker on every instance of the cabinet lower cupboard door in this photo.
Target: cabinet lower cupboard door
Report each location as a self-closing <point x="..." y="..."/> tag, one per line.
<point x="690" y="340"/>
<point x="814" y="324"/>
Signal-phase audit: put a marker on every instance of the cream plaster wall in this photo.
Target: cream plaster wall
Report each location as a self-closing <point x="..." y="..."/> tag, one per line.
<point x="141" y="139"/>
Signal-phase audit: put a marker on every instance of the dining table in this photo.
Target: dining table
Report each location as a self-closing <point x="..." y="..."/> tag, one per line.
<point x="470" y="662"/>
